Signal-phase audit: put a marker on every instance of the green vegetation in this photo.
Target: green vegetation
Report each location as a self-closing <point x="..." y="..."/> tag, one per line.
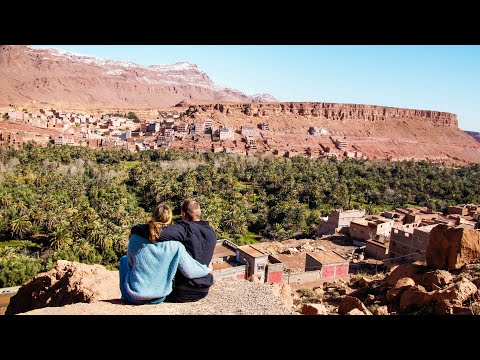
<point x="131" y="115"/>
<point x="127" y="165"/>
<point x="77" y="203"/>
<point x="11" y="243"/>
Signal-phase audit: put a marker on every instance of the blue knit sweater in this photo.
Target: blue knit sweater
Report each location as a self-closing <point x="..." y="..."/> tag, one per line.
<point x="151" y="267"/>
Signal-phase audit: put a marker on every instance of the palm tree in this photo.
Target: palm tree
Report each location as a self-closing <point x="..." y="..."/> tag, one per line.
<point x="60" y="239"/>
<point x="20" y="226"/>
<point x="5" y="199"/>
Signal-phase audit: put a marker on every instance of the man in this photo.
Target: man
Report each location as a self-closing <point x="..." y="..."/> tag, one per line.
<point x="199" y="240"/>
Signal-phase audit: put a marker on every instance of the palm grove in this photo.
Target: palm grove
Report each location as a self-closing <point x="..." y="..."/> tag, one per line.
<point x="75" y="203"/>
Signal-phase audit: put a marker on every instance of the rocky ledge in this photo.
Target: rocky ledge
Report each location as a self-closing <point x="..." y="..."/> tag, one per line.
<point x="73" y="288"/>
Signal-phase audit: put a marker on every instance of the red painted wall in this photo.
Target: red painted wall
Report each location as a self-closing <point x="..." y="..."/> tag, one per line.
<point x="275" y="277"/>
<point x="328" y="271"/>
<point x="241" y="276"/>
<point x="342" y="270"/>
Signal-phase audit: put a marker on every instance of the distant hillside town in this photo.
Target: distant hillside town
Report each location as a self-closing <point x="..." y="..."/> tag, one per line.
<point x="170" y="130"/>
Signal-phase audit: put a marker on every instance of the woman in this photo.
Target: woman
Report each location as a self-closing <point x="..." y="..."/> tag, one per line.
<point x="147" y="271"/>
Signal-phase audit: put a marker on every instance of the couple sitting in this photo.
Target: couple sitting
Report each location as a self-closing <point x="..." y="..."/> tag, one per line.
<point x="168" y="262"/>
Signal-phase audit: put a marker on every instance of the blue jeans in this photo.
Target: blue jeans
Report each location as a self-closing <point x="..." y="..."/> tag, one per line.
<point x="123" y="274"/>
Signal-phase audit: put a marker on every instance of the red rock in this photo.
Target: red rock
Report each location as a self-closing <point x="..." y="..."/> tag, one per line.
<point x="456" y="293"/>
<point x="68" y="283"/>
<point x="356" y="312"/>
<point x="401" y="285"/>
<point x="402" y="271"/>
<point x="284" y="291"/>
<point x="381" y="310"/>
<point x="349" y="302"/>
<point x="314" y="309"/>
<point x="452" y="248"/>
<point x="461" y="310"/>
<point x="414" y="297"/>
<point x="439" y="278"/>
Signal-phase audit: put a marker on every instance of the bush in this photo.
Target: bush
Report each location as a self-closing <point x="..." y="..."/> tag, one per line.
<point x="17" y="270"/>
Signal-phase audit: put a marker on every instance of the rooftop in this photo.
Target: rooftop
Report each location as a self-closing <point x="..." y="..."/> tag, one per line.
<point x="385" y="245"/>
<point x="426" y="228"/>
<point x="295" y="262"/>
<point x="327" y="257"/>
<point x="220" y="266"/>
<point x="251" y="251"/>
<point x="222" y="251"/>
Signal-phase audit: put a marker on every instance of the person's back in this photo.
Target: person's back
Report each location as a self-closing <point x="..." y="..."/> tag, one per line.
<point x="146" y="273"/>
<point x="199" y="239"/>
<point x="151" y="268"/>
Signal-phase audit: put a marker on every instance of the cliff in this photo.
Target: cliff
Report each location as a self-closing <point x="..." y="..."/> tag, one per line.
<point x="377" y="131"/>
<point x="330" y="111"/>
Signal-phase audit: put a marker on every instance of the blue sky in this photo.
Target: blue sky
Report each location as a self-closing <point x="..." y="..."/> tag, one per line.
<point x="444" y="78"/>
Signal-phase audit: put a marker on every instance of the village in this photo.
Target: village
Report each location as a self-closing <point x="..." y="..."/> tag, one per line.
<point x="347" y="242"/>
<point x="170" y="130"/>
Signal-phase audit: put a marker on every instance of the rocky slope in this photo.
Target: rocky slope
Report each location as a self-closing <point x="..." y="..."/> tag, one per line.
<point x="74" y="288"/>
<point x="58" y="76"/>
<point x="475" y="135"/>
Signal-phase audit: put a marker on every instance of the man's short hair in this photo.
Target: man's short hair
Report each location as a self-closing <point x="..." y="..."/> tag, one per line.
<point x="191" y="208"/>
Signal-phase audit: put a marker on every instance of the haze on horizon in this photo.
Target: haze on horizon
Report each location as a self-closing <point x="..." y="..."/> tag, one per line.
<point x="442" y="78"/>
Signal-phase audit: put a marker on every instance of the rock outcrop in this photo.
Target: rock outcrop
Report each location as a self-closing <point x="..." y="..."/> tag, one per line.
<point x="68" y="283"/>
<point x="349" y="303"/>
<point x="314" y="309"/>
<point x="73" y="288"/>
<point x="452" y="248"/>
<point x="436" y="279"/>
<point x="401" y="285"/>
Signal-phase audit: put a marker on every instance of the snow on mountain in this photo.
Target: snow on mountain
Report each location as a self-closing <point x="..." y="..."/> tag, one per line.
<point x="68" y="76"/>
<point x="264" y="98"/>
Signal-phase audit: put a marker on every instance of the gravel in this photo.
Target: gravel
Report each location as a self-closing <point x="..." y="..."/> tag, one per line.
<point x="235" y="297"/>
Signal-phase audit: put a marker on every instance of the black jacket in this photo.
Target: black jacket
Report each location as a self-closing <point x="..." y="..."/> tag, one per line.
<point x="199" y="240"/>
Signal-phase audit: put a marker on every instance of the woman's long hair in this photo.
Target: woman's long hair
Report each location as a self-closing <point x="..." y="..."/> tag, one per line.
<point x="161" y="217"/>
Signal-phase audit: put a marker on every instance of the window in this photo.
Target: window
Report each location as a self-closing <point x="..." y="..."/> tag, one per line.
<point x="260" y="267"/>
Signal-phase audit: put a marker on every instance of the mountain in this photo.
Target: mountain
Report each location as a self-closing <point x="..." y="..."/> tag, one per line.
<point x="475" y="135"/>
<point x="58" y="76"/>
<point x="263" y="98"/>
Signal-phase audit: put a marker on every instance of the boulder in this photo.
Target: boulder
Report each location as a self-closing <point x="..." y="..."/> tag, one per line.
<point x="349" y="302"/>
<point x="68" y="283"/>
<point x="414" y="297"/>
<point x="364" y="282"/>
<point x="461" y="310"/>
<point x="381" y="310"/>
<point x="451" y="248"/>
<point x="319" y="291"/>
<point x="284" y="291"/>
<point x="403" y="271"/>
<point x="439" y="278"/>
<point x="314" y="309"/>
<point x="356" y="312"/>
<point x="456" y="293"/>
<point x="401" y="285"/>
<point x="475" y="308"/>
